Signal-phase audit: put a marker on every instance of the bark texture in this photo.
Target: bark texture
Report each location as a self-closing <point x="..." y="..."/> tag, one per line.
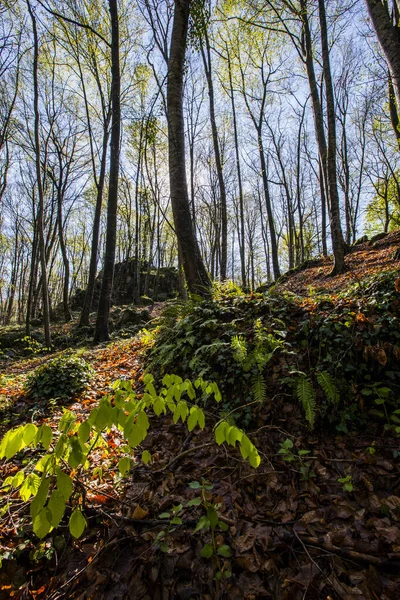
<point x="387" y="30"/>
<point x="102" y="331"/>
<point x="197" y="279"/>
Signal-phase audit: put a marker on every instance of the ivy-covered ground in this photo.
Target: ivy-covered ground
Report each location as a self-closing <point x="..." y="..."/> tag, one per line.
<point x="310" y="371"/>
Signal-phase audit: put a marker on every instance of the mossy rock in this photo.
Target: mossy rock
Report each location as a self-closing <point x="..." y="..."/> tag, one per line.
<point x="145" y="301"/>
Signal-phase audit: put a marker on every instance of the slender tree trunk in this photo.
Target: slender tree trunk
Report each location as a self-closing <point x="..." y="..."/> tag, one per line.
<point x="268" y="205"/>
<point x="102" y="331"/>
<point x="40" y="214"/>
<point x="63" y="248"/>
<point x="334" y="208"/>
<point x="323" y="210"/>
<point x="14" y="277"/>
<point x="241" y="233"/>
<point x="88" y="301"/>
<point x="206" y="54"/>
<point x="196" y="275"/>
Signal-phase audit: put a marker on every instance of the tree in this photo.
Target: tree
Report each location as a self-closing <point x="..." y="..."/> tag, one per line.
<point x="197" y="279"/>
<point x="102" y="330"/>
<point x="39" y="184"/>
<point x="386" y="24"/>
<point x="338" y="244"/>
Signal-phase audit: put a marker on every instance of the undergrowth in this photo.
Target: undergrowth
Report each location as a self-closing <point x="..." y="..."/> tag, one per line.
<point x="337" y="356"/>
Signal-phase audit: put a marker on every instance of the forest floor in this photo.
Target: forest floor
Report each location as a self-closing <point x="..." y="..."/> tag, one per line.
<point x="319" y="521"/>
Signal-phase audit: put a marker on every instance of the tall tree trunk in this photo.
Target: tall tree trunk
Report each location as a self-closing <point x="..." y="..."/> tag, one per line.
<point x="338" y="245"/>
<point x="388" y="34"/>
<point x="196" y="275"/>
<point x="63" y="248"/>
<point x="241" y="233"/>
<point x="323" y="209"/>
<point x="102" y="326"/>
<point x="40" y="213"/>
<point x="394" y="115"/>
<point x="206" y="54"/>
<point x="88" y="301"/>
<point x="14" y="277"/>
<point x="268" y="205"/>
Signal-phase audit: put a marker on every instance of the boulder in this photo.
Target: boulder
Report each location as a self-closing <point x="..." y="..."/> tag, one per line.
<point x="129" y="316"/>
<point x="361" y="240"/>
<point x="377" y="238"/>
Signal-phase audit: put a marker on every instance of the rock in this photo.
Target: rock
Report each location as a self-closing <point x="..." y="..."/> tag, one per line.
<point x="129" y="316"/>
<point x="361" y="240"/>
<point x="264" y="287"/>
<point x="36" y="322"/>
<point x="145" y="315"/>
<point x="377" y="238"/>
<point x="145" y="301"/>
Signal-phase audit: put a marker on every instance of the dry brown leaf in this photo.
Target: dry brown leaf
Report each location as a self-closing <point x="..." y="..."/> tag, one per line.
<point x="140" y="513"/>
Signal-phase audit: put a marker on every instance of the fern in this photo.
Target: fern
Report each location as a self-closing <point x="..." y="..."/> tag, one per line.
<point x="259" y="388"/>
<point x="306" y="394"/>
<point x="328" y="385"/>
<point x="239" y="347"/>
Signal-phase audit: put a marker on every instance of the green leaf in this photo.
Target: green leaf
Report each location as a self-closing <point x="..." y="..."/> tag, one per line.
<point x="136" y="436"/>
<point x="142" y="421"/>
<point x="207" y="551"/>
<point x="30" y="487"/>
<point x="75" y="457"/>
<point x="67" y="421"/>
<point x="181" y="411"/>
<point x="245" y="447"/>
<point x="194" y="502"/>
<point x="254" y="459"/>
<point x="64" y="484"/>
<point x="201" y="419"/>
<point x="202" y="523"/>
<point x="17" y="480"/>
<point x="30" y="431"/>
<point x="61" y="446"/>
<point x="12" y="442"/>
<point x="44" y="436"/>
<point x="77" y="523"/>
<point x="146" y="457"/>
<point x="192" y="420"/>
<point x="195" y="485"/>
<point x="42" y="523"/>
<point x="124" y="465"/>
<point x="220" y="432"/>
<point x="176" y="521"/>
<point x="212" y="516"/>
<point x="104" y="416"/>
<point x="84" y="431"/>
<point x="224" y="551"/>
<point x="159" y="406"/>
<point x="56" y="506"/>
<point x="40" y="499"/>
<point x="233" y="435"/>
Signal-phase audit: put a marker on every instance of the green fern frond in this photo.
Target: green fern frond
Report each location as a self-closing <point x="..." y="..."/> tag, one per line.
<point x="259" y="388"/>
<point x="239" y="347"/>
<point x="306" y="394"/>
<point x="328" y="385"/>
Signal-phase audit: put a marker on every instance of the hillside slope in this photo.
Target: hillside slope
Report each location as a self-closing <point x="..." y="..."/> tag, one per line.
<point x="363" y="260"/>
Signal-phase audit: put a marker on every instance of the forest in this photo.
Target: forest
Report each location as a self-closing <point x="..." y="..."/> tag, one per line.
<point x="200" y="299"/>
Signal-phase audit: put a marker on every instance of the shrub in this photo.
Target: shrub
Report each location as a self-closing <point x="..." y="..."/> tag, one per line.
<point x="63" y="377"/>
